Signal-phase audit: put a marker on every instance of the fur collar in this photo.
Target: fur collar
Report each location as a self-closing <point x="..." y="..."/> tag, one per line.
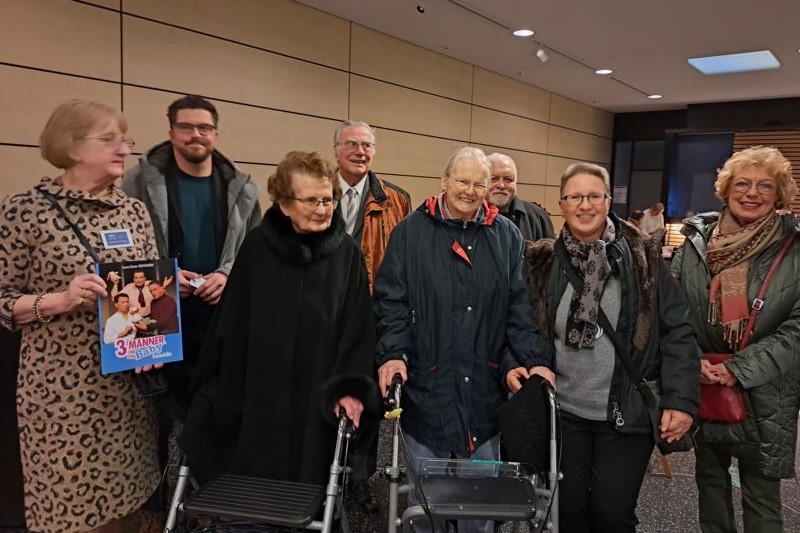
<point x="645" y="253"/>
<point x="277" y="230"/>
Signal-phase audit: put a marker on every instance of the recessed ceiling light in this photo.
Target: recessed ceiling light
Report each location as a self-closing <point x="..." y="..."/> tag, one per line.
<point x="523" y="32"/>
<point x="731" y="63"/>
<point x="654" y="96"/>
<point x="604" y="71"/>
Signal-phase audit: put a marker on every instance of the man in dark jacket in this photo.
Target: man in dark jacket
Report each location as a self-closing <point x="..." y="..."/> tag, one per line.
<point x="531" y="219"/>
<point x="450" y="301"/>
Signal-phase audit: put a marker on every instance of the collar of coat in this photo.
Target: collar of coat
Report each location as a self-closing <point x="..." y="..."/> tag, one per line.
<point x="277" y="230"/>
<point x="645" y="254"/>
<point x="486" y="215"/>
<point x="160" y="155"/>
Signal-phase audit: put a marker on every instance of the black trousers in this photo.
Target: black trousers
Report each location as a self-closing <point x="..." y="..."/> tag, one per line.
<point x="603" y="472"/>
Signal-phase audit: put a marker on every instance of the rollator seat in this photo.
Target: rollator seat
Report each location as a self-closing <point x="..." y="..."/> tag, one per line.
<point x="268" y="501"/>
<point x="490" y="498"/>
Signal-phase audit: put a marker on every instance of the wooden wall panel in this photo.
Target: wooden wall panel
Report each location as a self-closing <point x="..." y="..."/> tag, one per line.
<point x="29" y="97"/>
<point x="787" y="141"/>
<point x="500" y="129"/>
<point x="379" y="56"/>
<point x="530" y="167"/>
<point x="505" y="94"/>
<point x="406" y="154"/>
<point x="22" y="168"/>
<point x="167" y="58"/>
<point x="270" y="24"/>
<point x="576" y="145"/>
<point x="61" y="36"/>
<point x="420" y="189"/>
<point x="581" y="117"/>
<point x="385" y="105"/>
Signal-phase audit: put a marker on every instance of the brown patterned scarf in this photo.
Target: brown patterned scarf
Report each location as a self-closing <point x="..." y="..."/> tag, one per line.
<point x="591" y="263"/>
<point x="730" y="248"/>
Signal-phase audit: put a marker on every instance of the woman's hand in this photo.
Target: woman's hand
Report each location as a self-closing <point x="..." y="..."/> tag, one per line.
<point x="387" y="371"/>
<point x="723" y="375"/>
<point x="83" y="292"/>
<point x="514" y="378"/>
<point x="706" y="376"/>
<point x="148" y="368"/>
<point x="674" y="424"/>
<point x="352" y="407"/>
<point x="545" y="372"/>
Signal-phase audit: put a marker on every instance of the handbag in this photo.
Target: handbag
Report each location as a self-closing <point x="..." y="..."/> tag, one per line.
<point x="148" y="383"/>
<point x="649" y="389"/>
<point x="720" y="403"/>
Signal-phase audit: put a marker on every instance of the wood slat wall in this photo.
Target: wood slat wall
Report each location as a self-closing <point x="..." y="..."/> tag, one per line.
<point x="787" y="141"/>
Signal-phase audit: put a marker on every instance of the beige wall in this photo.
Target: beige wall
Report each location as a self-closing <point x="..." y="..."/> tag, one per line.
<point x="282" y="75"/>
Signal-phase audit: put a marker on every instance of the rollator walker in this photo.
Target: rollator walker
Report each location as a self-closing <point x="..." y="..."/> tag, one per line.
<point x="268" y="502"/>
<point x="466" y="489"/>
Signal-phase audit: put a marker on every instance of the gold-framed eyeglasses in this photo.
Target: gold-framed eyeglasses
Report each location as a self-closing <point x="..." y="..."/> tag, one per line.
<point x="466" y="184"/>
<point x="764" y="187"/>
<point x="352" y="144"/>
<point x="312" y="203"/>
<point x="189" y="128"/>
<point x="595" y="198"/>
<point x="113" y="141"/>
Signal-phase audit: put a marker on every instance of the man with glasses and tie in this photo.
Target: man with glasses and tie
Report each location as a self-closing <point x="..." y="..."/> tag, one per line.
<point x="202" y="206"/>
<point x="371" y="208"/>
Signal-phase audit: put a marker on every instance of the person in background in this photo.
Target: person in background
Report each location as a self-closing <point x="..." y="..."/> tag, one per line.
<point x="293" y="340"/>
<point x="77" y="427"/>
<point x="636" y="217"/>
<point x="531" y="219"/>
<point x="653" y="219"/>
<point x="606" y="430"/>
<point x="450" y="303"/>
<point x="371" y="208"/>
<point x="721" y="267"/>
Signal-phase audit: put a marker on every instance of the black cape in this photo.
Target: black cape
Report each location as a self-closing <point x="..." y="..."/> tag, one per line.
<point x="293" y="333"/>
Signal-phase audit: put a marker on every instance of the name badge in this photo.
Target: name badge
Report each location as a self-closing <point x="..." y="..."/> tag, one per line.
<point x="116" y="238"/>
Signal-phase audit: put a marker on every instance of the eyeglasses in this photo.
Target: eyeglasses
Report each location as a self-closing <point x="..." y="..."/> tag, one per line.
<point x="113" y="141"/>
<point x="594" y="198"/>
<point x="465" y="185"/>
<point x="312" y="203"/>
<point x="354" y="145"/>
<point x="763" y="187"/>
<point x="188" y="127"/>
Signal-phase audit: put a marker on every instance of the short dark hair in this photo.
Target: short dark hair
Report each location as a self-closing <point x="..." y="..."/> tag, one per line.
<point x="638" y="214"/>
<point x="191" y="101"/>
<point x="121" y="295"/>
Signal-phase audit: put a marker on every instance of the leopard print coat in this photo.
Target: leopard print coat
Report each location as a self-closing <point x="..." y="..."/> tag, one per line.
<point x="88" y="442"/>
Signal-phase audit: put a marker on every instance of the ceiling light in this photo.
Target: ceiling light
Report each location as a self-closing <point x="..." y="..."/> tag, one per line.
<point x="523" y="32"/>
<point x="654" y="96"/>
<point x="731" y="63"/>
<point x="542" y="55"/>
<point x="604" y="71"/>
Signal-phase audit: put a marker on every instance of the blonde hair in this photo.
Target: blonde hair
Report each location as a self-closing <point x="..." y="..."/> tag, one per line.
<point x="586" y="168"/>
<point x="70" y="123"/>
<point x="769" y="159"/>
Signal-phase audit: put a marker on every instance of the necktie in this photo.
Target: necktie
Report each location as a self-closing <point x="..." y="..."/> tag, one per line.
<point x="142" y="303"/>
<point x="352" y="209"/>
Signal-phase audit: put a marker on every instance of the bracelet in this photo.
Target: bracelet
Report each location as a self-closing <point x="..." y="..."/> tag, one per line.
<point x="37" y="311"/>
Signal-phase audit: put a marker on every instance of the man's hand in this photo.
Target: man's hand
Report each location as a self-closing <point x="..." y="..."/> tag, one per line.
<point x="674" y="424"/>
<point x="183" y="282"/>
<point x="514" y="378"/>
<point x="352" y="407"/>
<point x="387" y="371"/>
<point x="211" y="291"/>
<point x="167" y="282"/>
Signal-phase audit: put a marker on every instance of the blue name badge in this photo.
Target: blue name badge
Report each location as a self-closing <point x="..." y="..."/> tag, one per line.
<point x="116" y="238"/>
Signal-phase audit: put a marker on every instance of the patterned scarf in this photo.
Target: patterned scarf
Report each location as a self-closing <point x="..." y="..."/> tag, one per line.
<point x="729" y="250"/>
<point x="591" y="264"/>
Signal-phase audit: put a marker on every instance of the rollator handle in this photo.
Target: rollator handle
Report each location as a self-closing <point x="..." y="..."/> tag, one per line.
<point x="391" y="403"/>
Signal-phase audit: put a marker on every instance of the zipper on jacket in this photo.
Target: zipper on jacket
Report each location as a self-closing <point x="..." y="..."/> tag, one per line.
<point x="413" y="316"/>
<point x="619" y="421"/>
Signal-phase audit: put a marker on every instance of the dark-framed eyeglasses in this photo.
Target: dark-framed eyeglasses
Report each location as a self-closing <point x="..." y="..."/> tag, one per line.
<point x="594" y="198"/>
<point x="189" y="128"/>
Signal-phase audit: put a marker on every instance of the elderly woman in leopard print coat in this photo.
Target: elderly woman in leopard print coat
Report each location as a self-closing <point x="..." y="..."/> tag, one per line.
<point x="88" y="441"/>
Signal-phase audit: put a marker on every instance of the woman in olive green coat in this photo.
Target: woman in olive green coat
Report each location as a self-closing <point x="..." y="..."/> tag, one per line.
<point x="721" y="267"/>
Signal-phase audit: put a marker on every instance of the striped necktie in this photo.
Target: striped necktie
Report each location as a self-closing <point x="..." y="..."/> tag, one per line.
<point x="352" y="209"/>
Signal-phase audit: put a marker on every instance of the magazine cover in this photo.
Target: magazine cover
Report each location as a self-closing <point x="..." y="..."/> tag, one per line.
<point x="140" y="320"/>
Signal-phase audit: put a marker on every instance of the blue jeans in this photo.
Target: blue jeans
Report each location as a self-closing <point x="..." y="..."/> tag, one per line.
<point x="416" y="452"/>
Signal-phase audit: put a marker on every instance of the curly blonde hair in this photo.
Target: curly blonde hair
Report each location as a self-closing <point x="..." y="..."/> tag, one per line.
<point x="771" y="160"/>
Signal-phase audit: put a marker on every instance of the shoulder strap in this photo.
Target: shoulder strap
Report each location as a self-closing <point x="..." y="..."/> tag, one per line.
<point x="758" y="303"/>
<point x="78" y="233"/>
<point x="577" y="284"/>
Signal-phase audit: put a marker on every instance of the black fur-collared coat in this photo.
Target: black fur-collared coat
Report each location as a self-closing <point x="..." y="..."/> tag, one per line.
<point x="293" y="334"/>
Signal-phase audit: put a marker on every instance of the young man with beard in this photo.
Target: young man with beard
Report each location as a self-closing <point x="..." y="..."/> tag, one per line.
<point x="531" y="219"/>
<point x="202" y="206"/>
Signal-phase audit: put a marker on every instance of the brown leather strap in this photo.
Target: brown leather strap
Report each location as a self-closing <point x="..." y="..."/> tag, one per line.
<point x="758" y="303"/>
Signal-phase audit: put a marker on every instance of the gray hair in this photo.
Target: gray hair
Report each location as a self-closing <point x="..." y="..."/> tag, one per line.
<point x="497" y="156"/>
<point x="468" y="152"/>
<point x="348" y="124"/>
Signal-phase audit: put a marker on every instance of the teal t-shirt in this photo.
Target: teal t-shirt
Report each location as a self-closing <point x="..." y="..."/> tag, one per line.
<point x="198" y="215"/>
